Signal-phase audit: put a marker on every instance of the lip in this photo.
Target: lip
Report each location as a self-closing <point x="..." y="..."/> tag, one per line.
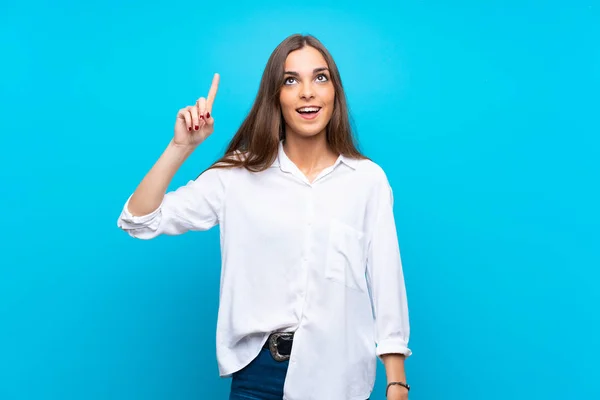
<point x="309" y="116"/>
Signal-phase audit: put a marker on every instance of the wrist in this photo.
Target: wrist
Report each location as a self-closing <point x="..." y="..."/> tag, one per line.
<point x="180" y="151"/>
<point x="400" y="387"/>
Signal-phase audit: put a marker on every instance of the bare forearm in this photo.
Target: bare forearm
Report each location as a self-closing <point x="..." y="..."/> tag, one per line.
<point x="151" y="190"/>
<point x="394" y="367"/>
<point x="395" y="372"/>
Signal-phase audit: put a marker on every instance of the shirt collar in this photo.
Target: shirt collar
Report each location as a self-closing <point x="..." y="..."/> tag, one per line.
<point x="286" y="165"/>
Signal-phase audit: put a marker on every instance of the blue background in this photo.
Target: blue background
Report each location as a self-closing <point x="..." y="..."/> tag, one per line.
<point x="485" y="115"/>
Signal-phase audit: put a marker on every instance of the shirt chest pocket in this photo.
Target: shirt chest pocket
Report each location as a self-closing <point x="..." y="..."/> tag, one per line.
<point x="345" y="262"/>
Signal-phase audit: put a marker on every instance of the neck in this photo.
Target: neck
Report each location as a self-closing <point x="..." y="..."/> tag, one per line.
<point x="309" y="153"/>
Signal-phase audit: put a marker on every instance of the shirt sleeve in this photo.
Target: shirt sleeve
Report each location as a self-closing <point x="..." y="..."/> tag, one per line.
<point x="195" y="206"/>
<point x="386" y="279"/>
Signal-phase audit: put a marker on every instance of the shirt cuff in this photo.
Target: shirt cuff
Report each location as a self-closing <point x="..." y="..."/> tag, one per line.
<point x="129" y="221"/>
<point x="393" y="346"/>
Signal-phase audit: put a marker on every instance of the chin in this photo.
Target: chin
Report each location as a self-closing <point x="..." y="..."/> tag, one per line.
<point x="306" y="134"/>
<point x="306" y="129"/>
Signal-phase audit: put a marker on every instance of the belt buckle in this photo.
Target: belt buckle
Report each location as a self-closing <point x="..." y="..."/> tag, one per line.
<point x="273" y="346"/>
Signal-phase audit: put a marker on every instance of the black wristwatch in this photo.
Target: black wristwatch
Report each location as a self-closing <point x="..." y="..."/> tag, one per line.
<point x="396" y="383"/>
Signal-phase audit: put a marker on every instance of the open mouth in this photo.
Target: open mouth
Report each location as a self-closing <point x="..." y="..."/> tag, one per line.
<point x="308" y="112"/>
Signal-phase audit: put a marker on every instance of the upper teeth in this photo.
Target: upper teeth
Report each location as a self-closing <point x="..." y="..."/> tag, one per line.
<point x="309" y="109"/>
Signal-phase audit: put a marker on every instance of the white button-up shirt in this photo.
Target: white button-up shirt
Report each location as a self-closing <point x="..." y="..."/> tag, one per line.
<point x="321" y="259"/>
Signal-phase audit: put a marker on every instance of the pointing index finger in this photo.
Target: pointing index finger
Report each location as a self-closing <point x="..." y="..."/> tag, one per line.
<point x="212" y="93"/>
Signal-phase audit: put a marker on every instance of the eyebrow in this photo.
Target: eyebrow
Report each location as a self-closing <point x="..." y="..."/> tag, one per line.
<point x="320" y="69"/>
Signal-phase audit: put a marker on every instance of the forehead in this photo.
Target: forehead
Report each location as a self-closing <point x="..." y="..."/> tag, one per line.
<point x="305" y="60"/>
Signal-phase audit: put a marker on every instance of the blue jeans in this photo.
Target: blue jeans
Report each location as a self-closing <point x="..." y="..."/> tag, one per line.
<point x="262" y="379"/>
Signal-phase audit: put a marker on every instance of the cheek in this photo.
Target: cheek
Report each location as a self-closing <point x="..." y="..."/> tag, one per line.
<point x="287" y="109"/>
<point x="328" y="95"/>
<point x="329" y="98"/>
<point x="287" y="104"/>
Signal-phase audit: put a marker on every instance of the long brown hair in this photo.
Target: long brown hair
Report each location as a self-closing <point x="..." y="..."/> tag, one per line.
<point x="259" y="135"/>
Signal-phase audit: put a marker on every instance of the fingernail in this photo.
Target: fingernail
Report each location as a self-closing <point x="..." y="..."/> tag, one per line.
<point x="196" y="127"/>
<point x="190" y="129"/>
<point x="207" y="115"/>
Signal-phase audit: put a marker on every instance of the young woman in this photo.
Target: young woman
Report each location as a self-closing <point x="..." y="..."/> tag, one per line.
<point x="312" y="288"/>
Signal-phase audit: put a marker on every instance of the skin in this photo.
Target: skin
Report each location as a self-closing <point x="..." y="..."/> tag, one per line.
<point x="307" y="82"/>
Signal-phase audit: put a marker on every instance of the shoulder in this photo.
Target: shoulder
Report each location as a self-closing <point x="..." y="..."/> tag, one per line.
<point x="371" y="171"/>
<point x="374" y="179"/>
<point x="236" y="157"/>
<point x="225" y="168"/>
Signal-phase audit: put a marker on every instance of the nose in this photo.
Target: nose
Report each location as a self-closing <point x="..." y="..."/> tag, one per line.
<point x="307" y="91"/>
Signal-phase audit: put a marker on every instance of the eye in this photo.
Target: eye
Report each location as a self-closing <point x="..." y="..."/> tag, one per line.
<point x="289" y="80"/>
<point x="322" y="78"/>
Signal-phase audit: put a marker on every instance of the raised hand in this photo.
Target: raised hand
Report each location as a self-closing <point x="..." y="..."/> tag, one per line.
<point x="195" y="123"/>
